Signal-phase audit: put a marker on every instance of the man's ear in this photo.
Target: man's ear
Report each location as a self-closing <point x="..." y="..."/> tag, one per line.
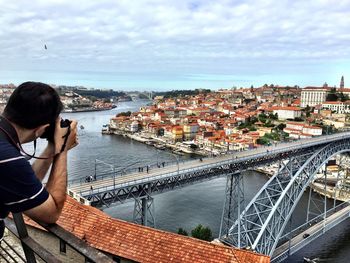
<point x="40" y="130"/>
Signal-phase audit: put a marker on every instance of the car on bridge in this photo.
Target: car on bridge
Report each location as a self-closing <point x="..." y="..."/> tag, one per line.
<point x="306" y="235"/>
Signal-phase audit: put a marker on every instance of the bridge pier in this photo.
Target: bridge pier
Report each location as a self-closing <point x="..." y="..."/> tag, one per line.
<point x="144" y="208"/>
<point x="234" y="203"/>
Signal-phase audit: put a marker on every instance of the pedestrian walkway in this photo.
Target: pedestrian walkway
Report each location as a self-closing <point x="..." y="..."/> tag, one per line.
<point x="148" y="174"/>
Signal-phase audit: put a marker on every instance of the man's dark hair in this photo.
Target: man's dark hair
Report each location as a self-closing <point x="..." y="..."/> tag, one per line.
<point x="33" y="104"/>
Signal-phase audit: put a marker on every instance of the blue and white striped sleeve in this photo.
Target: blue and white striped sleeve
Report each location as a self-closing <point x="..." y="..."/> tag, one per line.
<point x="20" y="189"/>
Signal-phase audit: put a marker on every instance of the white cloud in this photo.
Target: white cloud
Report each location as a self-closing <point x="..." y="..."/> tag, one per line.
<point x="146" y="35"/>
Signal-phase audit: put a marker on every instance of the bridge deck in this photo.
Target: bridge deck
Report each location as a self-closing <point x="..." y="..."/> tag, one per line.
<point x="86" y="188"/>
<point x="312" y="233"/>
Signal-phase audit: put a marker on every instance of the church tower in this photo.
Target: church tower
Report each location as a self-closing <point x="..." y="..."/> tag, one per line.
<point x="341" y="82"/>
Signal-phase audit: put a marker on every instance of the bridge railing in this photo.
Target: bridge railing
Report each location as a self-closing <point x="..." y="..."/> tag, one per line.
<point x="258" y="153"/>
<point x="149" y="179"/>
<point x="104" y="189"/>
<point x="302" y="242"/>
<point x="121" y="172"/>
<point x="201" y="166"/>
<point x="222" y="160"/>
<point x="313" y="221"/>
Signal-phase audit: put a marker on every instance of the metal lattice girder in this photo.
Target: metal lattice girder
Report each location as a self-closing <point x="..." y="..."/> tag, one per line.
<point x="119" y="192"/>
<point x="261" y="206"/>
<point x="261" y="228"/>
<point x="144" y="213"/>
<point x="234" y="202"/>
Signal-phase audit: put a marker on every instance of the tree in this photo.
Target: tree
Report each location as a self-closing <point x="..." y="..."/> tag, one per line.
<point x="182" y="231"/>
<point x="268" y="123"/>
<point x="263" y="141"/>
<point x="273" y="116"/>
<point x="343" y="97"/>
<point x="307" y="111"/>
<point x="203" y="233"/>
<point x="332" y="95"/>
<point x="127" y="113"/>
<point x="281" y="126"/>
<point x="262" y="117"/>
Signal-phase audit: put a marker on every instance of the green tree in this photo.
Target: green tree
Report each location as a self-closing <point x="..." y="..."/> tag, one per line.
<point x="182" y="231"/>
<point x="307" y="111"/>
<point x="273" y="116"/>
<point x="332" y="95"/>
<point x="124" y="113"/>
<point x="263" y="141"/>
<point x="343" y="97"/>
<point x="268" y="124"/>
<point x="281" y="126"/>
<point x="203" y="233"/>
<point x="262" y="117"/>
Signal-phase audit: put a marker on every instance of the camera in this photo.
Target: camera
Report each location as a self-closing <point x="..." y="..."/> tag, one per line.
<point x="50" y="131"/>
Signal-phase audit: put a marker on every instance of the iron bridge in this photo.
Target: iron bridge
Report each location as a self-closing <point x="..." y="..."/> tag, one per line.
<point x="257" y="226"/>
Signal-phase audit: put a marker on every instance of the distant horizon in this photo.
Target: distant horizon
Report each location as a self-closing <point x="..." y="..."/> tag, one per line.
<point x="186" y="83"/>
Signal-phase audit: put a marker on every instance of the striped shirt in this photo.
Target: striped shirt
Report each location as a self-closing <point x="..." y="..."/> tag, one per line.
<point x="20" y="189"/>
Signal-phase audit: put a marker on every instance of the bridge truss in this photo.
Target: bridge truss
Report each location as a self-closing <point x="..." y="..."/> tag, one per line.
<point x="261" y="223"/>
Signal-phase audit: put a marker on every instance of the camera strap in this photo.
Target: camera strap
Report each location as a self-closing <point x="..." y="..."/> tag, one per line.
<point x="10" y="134"/>
<point x="65" y="139"/>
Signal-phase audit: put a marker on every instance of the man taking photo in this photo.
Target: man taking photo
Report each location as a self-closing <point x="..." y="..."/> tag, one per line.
<point x="33" y="111"/>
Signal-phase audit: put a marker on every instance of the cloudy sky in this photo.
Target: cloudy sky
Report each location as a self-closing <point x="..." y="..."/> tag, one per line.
<point x="178" y="44"/>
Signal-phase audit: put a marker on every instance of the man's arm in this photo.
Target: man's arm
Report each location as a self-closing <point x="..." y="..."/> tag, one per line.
<point x="41" y="166"/>
<point x="50" y="210"/>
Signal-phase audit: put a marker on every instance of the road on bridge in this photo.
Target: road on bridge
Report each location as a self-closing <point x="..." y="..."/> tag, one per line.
<point x="114" y="181"/>
<point x="311" y="233"/>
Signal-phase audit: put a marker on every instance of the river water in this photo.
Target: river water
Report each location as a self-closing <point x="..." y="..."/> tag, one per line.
<point x="201" y="203"/>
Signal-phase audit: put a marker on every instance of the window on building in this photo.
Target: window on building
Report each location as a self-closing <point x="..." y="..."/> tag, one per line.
<point x="63" y="248"/>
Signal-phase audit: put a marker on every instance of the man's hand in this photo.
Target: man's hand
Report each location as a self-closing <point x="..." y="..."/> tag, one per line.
<point x="60" y="133"/>
<point x="50" y="210"/>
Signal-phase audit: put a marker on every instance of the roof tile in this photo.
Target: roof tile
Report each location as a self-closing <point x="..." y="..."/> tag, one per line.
<point x="144" y="244"/>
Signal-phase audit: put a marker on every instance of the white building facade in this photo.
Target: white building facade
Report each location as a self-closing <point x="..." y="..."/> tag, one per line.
<point x="313" y="96"/>
<point x="301" y="130"/>
<point x="337" y="106"/>
<point x="285" y="113"/>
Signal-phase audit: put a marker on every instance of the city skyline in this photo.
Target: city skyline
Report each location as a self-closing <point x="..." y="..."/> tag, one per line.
<point x="164" y="45"/>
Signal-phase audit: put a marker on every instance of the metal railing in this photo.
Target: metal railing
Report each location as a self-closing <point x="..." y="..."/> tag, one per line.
<point x="224" y="159"/>
<point x="312" y="221"/>
<point x="33" y="250"/>
<point x="311" y="236"/>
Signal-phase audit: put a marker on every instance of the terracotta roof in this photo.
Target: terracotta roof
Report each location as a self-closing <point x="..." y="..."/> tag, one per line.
<point x="332" y="102"/>
<point x="312" y="127"/>
<point x="344" y="90"/>
<point x="295" y="123"/>
<point x="296" y="102"/>
<point x="285" y="108"/>
<point x="315" y="88"/>
<point x="144" y="244"/>
<point x="291" y="130"/>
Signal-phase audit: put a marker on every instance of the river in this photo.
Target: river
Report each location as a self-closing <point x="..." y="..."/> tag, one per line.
<point x="201" y="203"/>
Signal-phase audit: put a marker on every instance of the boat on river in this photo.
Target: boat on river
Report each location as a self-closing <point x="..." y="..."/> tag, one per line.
<point x="160" y="146"/>
<point x="105" y="129"/>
